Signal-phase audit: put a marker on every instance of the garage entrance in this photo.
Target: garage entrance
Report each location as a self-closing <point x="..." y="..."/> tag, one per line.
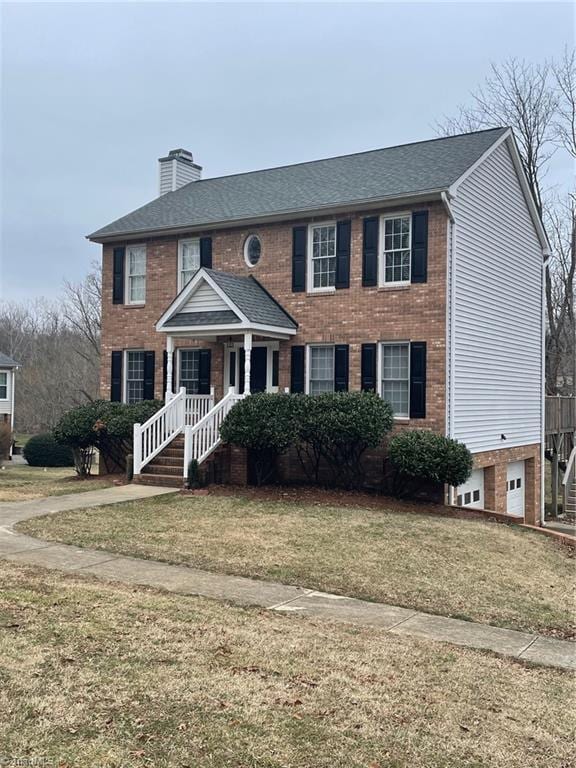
<point x="515" y="488"/>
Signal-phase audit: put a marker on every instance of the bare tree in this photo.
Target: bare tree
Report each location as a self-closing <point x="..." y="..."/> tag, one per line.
<point x="82" y="309"/>
<point x="538" y="102"/>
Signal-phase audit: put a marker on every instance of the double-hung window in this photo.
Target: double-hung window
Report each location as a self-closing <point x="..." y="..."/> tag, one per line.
<point x="395" y="377"/>
<point x="320" y="370"/>
<point x="188" y="260"/>
<point x="397" y="236"/>
<point x="136" y="274"/>
<point x="190" y="370"/>
<point x="134" y="391"/>
<point x="3" y="385"/>
<point x="322" y="268"/>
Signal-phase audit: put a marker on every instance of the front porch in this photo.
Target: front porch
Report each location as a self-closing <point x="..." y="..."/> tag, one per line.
<point x="220" y="310"/>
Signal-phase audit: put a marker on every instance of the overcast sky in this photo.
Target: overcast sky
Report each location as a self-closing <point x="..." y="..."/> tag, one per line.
<point x="94" y="94"/>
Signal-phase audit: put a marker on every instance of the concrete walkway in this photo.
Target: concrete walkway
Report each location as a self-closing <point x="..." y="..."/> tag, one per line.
<point x="181" y="579"/>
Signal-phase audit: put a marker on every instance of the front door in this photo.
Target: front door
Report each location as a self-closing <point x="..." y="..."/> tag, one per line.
<point x="258" y="370"/>
<point x="515" y="477"/>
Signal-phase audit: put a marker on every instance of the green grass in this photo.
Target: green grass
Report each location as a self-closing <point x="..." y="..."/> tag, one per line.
<point x="469" y="569"/>
<point x="96" y="675"/>
<point x="21" y="483"/>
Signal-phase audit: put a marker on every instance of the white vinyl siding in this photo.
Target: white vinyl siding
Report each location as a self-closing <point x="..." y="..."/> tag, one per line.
<point x="497" y="276"/>
<point x="320" y="369"/>
<point x="322" y="257"/>
<point x="136" y="274"/>
<point x="188" y="260"/>
<point x="205" y="299"/>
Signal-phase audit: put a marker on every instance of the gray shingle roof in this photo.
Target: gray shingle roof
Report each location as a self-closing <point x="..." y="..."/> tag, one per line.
<point x="7" y="362"/>
<point x="379" y="174"/>
<point x="252" y="299"/>
<point x="222" y="317"/>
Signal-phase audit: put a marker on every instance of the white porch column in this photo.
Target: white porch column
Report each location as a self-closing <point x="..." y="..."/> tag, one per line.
<point x="169" y="366"/>
<point x="247" y="361"/>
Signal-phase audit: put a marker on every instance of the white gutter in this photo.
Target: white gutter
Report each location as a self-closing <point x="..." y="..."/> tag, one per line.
<point x="543" y="396"/>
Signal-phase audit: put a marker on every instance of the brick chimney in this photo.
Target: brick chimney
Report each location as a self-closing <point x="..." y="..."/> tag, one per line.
<point x="177" y="169"/>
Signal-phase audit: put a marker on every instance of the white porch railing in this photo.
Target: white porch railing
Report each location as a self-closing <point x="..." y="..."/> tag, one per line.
<point x="197" y="406"/>
<point x="568" y="480"/>
<point x="160" y="429"/>
<point x="204" y="437"/>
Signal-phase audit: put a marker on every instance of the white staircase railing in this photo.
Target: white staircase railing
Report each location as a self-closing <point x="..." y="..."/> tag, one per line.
<point x="197" y="406"/>
<point x="202" y="438"/>
<point x="160" y="429"/>
<point x="568" y="481"/>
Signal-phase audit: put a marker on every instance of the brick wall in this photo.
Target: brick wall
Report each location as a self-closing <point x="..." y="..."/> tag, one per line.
<point x="349" y="316"/>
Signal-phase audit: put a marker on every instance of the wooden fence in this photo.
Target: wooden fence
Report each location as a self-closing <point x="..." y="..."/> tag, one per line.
<point x="560" y="415"/>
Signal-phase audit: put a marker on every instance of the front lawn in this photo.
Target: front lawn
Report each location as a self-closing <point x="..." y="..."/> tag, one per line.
<point x="101" y="675"/>
<point x="468" y="569"/>
<point x="21" y="483"/>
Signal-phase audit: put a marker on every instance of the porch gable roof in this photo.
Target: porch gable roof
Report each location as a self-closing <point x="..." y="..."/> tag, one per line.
<point x="220" y="302"/>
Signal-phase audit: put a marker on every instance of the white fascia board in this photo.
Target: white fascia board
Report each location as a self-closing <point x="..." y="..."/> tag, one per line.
<point x="187" y="292"/>
<point x="508" y="137"/>
<point x="229" y="330"/>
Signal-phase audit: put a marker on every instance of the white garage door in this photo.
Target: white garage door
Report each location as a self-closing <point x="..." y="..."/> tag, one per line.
<point x="471" y="494"/>
<point x="515" y="488"/>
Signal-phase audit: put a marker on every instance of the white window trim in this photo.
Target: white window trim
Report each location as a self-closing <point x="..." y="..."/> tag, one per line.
<point x="179" y="364"/>
<point x="127" y="275"/>
<point x="309" y="271"/>
<point x="125" y="373"/>
<point x="307" y="366"/>
<point x="8" y="377"/>
<point x="379" y="363"/>
<point x="381" y="252"/>
<point x="246" y="242"/>
<point x="181" y="244"/>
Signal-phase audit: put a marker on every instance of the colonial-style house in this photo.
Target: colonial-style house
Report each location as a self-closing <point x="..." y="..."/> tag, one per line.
<point x="415" y="271"/>
<point x="7" y="381"/>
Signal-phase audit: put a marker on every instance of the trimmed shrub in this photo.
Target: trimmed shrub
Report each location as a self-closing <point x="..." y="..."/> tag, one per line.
<point x="193" y="477"/>
<point x="265" y="424"/>
<point x="5" y="440"/>
<point x="44" y="451"/>
<point x="338" y="428"/>
<point x="103" y="425"/>
<point x="427" y="457"/>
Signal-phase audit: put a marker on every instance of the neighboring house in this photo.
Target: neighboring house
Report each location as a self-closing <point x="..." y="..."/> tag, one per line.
<point x="415" y="270"/>
<point x="7" y="386"/>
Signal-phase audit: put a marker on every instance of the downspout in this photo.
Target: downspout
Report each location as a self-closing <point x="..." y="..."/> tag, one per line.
<point x="546" y="256"/>
<point x="450" y="293"/>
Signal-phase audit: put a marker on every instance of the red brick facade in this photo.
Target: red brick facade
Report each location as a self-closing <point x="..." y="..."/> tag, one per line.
<point x="352" y="316"/>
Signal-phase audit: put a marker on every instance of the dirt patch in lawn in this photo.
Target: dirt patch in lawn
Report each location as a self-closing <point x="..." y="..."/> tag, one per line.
<point x="95" y="674"/>
<point x="469" y="569"/>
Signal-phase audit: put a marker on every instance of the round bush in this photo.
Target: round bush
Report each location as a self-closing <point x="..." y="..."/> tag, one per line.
<point x="44" y="451"/>
<point x="429" y="456"/>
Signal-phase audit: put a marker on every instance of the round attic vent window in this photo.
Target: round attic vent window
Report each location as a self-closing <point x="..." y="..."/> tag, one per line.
<point x="252" y="250"/>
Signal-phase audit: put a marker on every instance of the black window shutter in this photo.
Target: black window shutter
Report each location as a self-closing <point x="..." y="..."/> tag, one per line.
<point x="241" y="364"/>
<point x="370" y="251"/>
<point x="232" y="371"/>
<point x="206" y="252"/>
<point x="343" y="233"/>
<point x="149" y="369"/>
<point x="299" y="235"/>
<point x="275" y="366"/>
<point x="418" y="380"/>
<point x="419" y="247"/>
<point x="116" y="377"/>
<point x="297" y="369"/>
<point x="164" y="372"/>
<point x="204" y="372"/>
<point x="341" y="368"/>
<point x="368" y="368"/>
<point x="118" y="275"/>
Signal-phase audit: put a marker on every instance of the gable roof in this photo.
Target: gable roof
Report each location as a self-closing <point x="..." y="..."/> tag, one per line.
<point x="7" y="362"/>
<point x="395" y="172"/>
<point x="250" y="305"/>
